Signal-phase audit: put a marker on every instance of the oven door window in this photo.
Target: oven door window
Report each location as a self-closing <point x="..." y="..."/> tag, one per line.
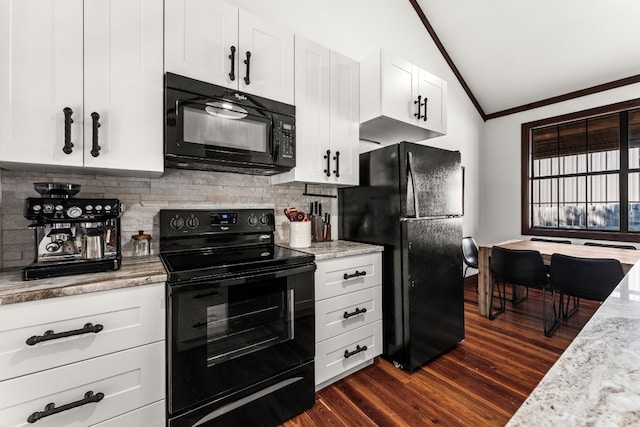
<point x="220" y="125"/>
<point x="241" y="324"/>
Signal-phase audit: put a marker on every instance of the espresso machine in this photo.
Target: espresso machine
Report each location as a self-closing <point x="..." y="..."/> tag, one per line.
<point x="72" y="236"/>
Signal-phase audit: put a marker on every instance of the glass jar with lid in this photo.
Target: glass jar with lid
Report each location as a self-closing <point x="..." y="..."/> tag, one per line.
<point x="141" y="243"/>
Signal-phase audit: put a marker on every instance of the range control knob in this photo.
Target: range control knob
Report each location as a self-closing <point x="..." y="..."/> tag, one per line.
<point x="253" y="220"/>
<point x="74" y="212"/>
<point x="193" y="222"/>
<point x="177" y="223"/>
<point x="264" y="219"/>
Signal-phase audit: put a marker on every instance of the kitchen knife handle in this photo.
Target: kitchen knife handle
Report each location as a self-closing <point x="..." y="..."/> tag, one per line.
<point x="419" y="105"/>
<point x="248" y="62"/>
<point x="410" y="172"/>
<point x="425" y="108"/>
<point x="232" y="57"/>
<point x="68" y="145"/>
<point x="327" y="157"/>
<point x="50" y="408"/>
<point x="95" y="150"/>
<point x="50" y="335"/>
<point x="337" y="159"/>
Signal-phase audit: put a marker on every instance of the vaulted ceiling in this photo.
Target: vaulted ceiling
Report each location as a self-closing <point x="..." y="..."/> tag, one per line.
<point x="514" y="55"/>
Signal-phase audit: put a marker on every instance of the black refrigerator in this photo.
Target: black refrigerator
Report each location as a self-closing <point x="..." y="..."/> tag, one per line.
<point x="410" y="201"/>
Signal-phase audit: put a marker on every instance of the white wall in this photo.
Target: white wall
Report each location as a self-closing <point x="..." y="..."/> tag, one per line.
<point x="500" y="160"/>
<point x="357" y="28"/>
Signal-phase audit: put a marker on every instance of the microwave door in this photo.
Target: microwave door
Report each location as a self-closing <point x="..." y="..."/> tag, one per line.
<point x="226" y="131"/>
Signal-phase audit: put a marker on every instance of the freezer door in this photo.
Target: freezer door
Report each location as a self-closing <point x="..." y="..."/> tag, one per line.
<point x="430" y="181"/>
<point x="434" y="307"/>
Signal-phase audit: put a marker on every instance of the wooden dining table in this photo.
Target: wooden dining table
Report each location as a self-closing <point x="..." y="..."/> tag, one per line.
<point x="626" y="257"/>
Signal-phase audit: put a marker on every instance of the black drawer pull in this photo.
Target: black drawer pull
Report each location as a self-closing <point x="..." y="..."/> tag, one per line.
<point x="95" y="147"/>
<point x="356" y="274"/>
<point x="348" y="354"/>
<point x="68" y="145"/>
<point x="50" y="335"/>
<point x="51" y="409"/>
<point x="354" y="313"/>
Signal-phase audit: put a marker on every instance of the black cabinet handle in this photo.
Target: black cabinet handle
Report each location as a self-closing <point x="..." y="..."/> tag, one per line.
<point x="328" y="158"/>
<point x="348" y="354"/>
<point x="425" y="109"/>
<point x="354" y="313"/>
<point x="68" y="145"/>
<point x="337" y="159"/>
<point x="50" y="335"/>
<point x="356" y="274"/>
<point x="95" y="150"/>
<point x="232" y="57"/>
<point x="51" y="409"/>
<point x="419" y="105"/>
<point x="248" y="62"/>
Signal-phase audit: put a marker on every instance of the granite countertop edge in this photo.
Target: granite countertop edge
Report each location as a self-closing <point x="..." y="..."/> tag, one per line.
<point x="134" y="271"/>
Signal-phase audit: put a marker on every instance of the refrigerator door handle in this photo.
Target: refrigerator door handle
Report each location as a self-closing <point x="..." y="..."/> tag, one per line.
<point x="413" y="184"/>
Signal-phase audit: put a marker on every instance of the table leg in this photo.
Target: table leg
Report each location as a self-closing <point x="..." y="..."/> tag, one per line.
<point x="484" y="281"/>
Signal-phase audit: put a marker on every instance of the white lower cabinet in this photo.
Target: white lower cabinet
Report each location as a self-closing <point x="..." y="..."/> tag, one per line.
<point x="348" y="315"/>
<point x="84" y="377"/>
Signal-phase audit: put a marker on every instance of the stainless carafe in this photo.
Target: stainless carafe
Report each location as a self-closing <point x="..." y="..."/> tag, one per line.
<point x="93" y="244"/>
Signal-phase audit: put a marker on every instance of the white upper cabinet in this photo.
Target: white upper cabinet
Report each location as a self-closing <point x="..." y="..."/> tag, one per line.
<point x="327" y="117"/>
<point x="216" y="42"/>
<point x="400" y="101"/>
<point x="69" y="64"/>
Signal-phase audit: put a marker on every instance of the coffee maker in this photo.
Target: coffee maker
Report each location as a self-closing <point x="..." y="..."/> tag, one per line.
<point x="72" y="236"/>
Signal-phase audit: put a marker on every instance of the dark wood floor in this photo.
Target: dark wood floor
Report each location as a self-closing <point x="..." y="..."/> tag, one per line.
<point x="481" y="382"/>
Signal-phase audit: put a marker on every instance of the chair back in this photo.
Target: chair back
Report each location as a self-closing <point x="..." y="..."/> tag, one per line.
<point x="588" y="278"/>
<point x="607" y="245"/>
<point x="519" y="267"/>
<point x="470" y="251"/>
<point x="540" y="239"/>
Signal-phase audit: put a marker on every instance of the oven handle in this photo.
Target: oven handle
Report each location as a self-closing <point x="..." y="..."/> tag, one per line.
<point x="241" y="279"/>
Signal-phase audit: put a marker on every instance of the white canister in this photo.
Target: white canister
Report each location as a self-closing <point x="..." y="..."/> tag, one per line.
<point x="300" y="234"/>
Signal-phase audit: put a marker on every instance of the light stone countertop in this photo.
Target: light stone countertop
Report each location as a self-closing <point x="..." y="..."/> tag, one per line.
<point x="337" y="249"/>
<point x="135" y="271"/>
<point x="596" y="381"/>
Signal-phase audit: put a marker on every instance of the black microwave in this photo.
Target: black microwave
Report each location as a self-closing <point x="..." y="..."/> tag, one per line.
<point x="210" y="127"/>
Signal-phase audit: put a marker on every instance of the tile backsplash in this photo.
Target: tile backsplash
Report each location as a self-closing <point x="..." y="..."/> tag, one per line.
<point x="144" y="197"/>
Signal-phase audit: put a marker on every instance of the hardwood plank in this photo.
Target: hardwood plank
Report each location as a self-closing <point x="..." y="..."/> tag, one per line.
<point x="480" y="382"/>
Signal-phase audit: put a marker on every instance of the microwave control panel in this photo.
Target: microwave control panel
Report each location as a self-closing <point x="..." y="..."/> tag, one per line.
<point x="285" y="141"/>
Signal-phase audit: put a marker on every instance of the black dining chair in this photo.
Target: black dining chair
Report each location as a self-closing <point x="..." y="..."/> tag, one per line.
<point x="588" y="278"/>
<point x="524" y="268"/>
<point x="608" y="245"/>
<point x="469" y="254"/>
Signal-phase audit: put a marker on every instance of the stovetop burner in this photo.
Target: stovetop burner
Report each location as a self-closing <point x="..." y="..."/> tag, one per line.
<point x="205" y="244"/>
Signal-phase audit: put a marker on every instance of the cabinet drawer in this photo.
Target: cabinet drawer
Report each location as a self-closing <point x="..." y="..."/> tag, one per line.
<point x="331" y="273"/>
<point x="331" y="312"/>
<point x="330" y="358"/>
<point x="149" y="416"/>
<point x="128" y="379"/>
<point x="130" y="317"/>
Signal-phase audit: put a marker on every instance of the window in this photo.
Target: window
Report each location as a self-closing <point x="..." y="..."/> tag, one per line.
<point x="581" y="174"/>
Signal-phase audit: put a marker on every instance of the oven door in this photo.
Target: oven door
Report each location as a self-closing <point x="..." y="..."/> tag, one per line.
<point x="227" y="336"/>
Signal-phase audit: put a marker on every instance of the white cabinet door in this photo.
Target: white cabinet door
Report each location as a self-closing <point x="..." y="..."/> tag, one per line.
<point x="266" y="58"/>
<point x="40" y="76"/>
<point x="399" y="88"/>
<point x="123" y="85"/>
<point x="394" y="97"/>
<point x="434" y="113"/>
<point x="199" y="37"/>
<point x="327" y="117"/>
<point x="345" y="119"/>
